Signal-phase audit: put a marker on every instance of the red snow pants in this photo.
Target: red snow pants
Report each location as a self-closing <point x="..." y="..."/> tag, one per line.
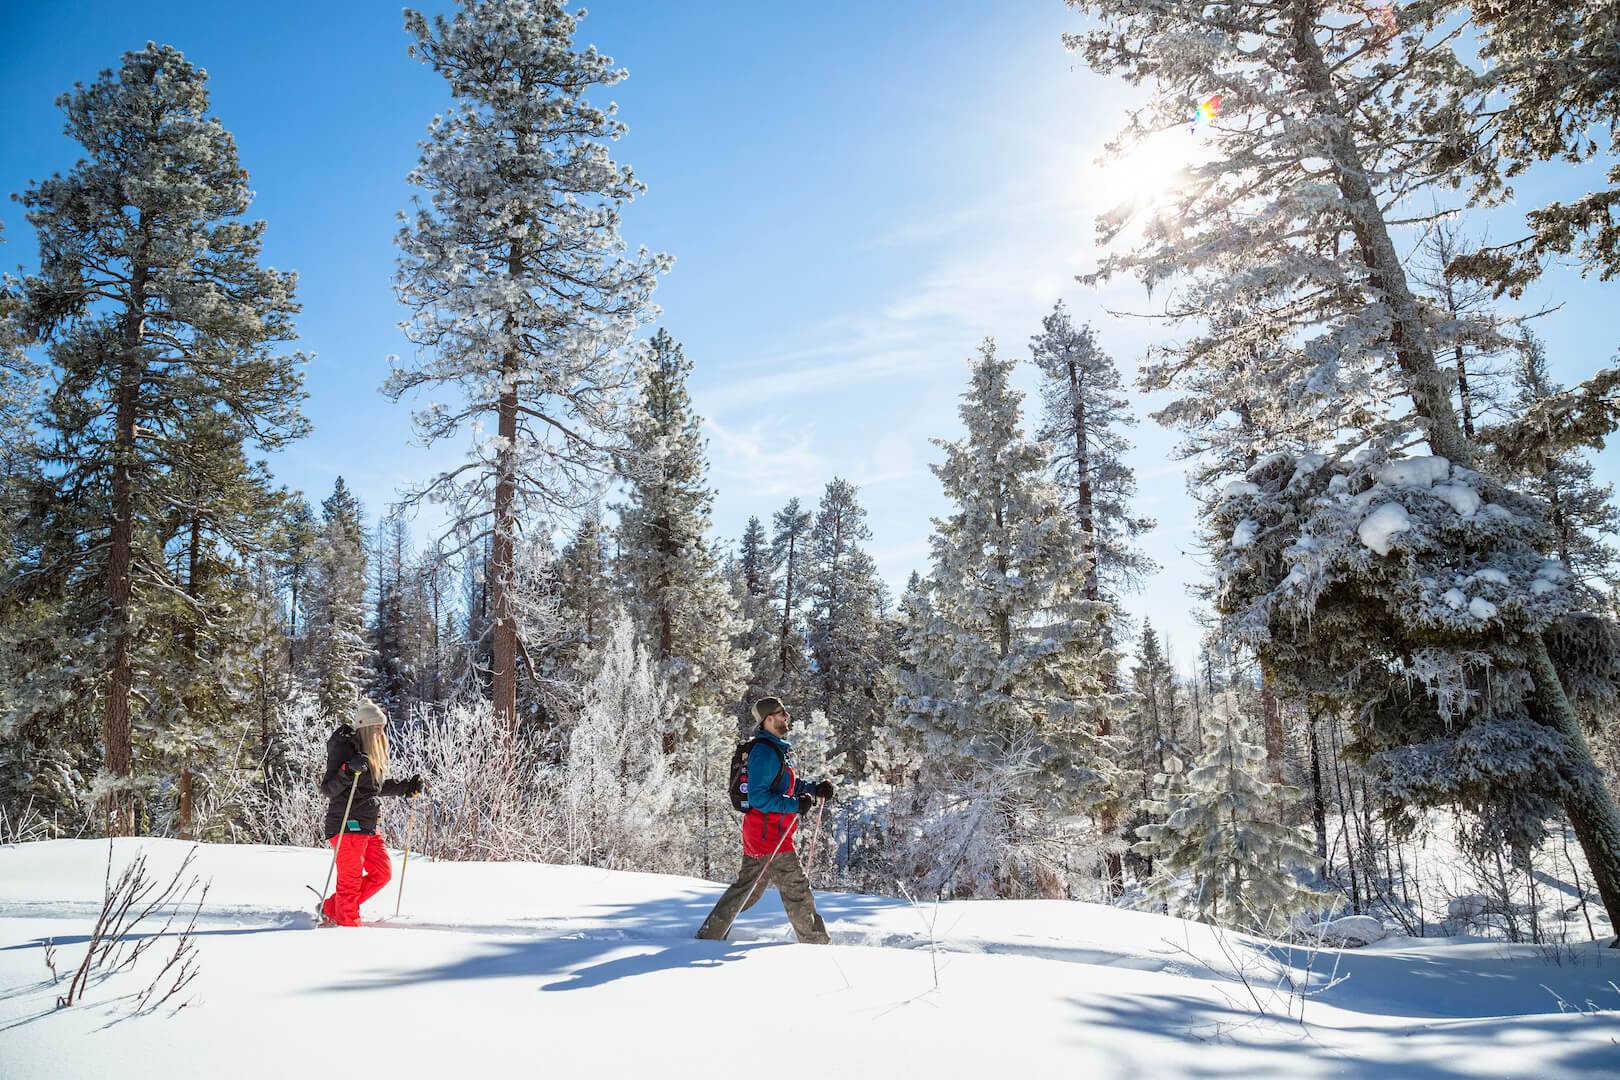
<point x="362" y="870"/>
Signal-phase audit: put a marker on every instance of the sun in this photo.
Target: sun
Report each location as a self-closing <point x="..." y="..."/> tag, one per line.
<point x="1146" y="173"/>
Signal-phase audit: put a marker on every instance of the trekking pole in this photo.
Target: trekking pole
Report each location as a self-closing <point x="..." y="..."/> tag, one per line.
<point x="405" y="863"/>
<point x="342" y="828"/>
<point x="762" y="870"/>
<point x="815" y="835"/>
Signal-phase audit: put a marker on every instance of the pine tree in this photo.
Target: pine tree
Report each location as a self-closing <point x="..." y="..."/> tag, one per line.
<point x="296" y="544"/>
<point x="1008" y="661"/>
<point x="1352" y="118"/>
<point x="1218" y="831"/>
<point x="335" y="606"/>
<point x="1555" y="65"/>
<point x="751" y="587"/>
<point x="842" y="625"/>
<point x="157" y="311"/>
<point x="617" y="780"/>
<point x="522" y="297"/>
<point x="669" y="575"/>
<point x="1085" y="412"/>
<point x="222" y="519"/>
<point x="1581" y="513"/>
<point x="586" y="590"/>
<point x="789" y="542"/>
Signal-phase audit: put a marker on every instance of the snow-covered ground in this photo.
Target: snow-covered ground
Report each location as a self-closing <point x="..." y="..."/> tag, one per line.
<point x="572" y="972"/>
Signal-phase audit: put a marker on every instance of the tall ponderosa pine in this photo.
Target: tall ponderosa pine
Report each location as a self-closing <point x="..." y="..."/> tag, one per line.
<point x="1009" y="659"/>
<point x="522" y="296"/>
<point x="670" y="576"/>
<point x="1332" y="566"/>
<point x="158" y="311"/>
<point x="842" y="623"/>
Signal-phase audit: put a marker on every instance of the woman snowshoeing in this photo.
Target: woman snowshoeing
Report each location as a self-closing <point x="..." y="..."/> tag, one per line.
<point x="356" y="776"/>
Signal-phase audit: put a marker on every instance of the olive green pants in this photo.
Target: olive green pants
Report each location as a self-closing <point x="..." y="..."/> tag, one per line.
<point x="787" y="875"/>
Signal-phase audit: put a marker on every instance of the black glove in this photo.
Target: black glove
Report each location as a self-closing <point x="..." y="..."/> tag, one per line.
<point x="413" y="787"/>
<point x="806" y="803"/>
<point x="357" y="764"/>
<point x="824" y="791"/>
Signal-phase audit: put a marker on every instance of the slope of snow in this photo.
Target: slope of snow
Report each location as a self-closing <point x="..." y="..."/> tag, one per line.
<point x="568" y="971"/>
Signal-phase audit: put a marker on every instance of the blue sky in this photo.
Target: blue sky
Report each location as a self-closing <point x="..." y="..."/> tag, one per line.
<point x="856" y="194"/>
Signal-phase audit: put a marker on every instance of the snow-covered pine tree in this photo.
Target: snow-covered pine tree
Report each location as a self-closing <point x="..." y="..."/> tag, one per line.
<point x="668" y="574"/>
<point x="222" y="520"/>
<point x="1085" y="412"/>
<point x="750" y="573"/>
<point x="335" y="606"/>
<point x="842" y="625"/>
<point x="1395" y="112"/>
<point x="1218" y="853"/>
<point x="619" y="786"/>
<point x="1008" y="662"/>
<point x="790" y="541"/>
<point x="157" y="310"/>
<point x="1474" y="354"/>
<point x="1556" y="67"/>
<point x="522" y="297"/>
<point x="1582" y="513"/>
<point x="586" y="590"/>
<point x="394" y="657"/>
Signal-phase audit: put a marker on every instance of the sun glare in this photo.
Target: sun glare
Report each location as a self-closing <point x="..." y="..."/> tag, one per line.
<point x="1144" y="174"/>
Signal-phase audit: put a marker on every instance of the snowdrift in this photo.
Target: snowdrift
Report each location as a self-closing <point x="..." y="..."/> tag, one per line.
<point x="569" y="971"/>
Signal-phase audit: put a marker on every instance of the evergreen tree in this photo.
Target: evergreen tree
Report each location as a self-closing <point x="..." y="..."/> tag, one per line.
<point x="842" y="623"/>
<point x="751" y="587"/>
<point x="522" y="298"/>
<point x="670" y="577"/>
<point x="1085" y="412"/>
<point x="296" y="545"/>
<point x="612" y="765"/>
<point x="790" y="537"/>
<point x="1008" y="660"/>
<point x="1556" y="66"/>
<point x="1218" y="855"/>
<point x="586" y="591"/>
<point x="1350" y="119"/>
<point x="1581" y="512"/>
<point x="157" y="311"/>
<point x="335" y="606"/>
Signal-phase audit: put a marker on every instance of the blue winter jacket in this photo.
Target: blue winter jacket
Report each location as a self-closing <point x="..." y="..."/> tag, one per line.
<point x="773" y="798"/>
<point x="772" y="786"/>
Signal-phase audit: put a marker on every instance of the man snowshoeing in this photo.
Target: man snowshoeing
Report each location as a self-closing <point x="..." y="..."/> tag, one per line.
<point x="776" y="797"/>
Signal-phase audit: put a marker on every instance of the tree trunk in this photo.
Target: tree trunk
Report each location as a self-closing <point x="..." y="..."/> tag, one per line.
<point x="1590" y="807"/>
<point x="787" y="602"/>
<point x="117" y="741"/>
<point x="1318" y="796"/>
<point x="1084" y="504"/>
<point x="1271" y="711"/>
<point x="503" y="633"/>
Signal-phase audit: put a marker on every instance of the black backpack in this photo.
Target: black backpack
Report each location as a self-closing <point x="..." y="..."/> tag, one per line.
<point x="737" y="788"/>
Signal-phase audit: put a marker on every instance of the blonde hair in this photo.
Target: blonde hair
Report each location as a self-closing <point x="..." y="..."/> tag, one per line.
<point x="374" y="743"/>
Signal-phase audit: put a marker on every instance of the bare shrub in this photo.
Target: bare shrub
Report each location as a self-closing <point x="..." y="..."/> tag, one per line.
<point x="114" y="945"/>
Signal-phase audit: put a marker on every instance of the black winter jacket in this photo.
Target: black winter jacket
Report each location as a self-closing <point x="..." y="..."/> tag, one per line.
<point x="341" y="749"/>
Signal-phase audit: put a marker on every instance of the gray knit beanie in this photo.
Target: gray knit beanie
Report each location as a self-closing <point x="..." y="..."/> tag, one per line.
<point x="765" y="706"/>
